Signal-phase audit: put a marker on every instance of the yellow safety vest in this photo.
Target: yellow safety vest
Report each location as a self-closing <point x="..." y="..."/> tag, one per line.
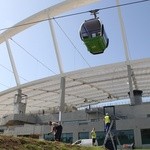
<point x="107" y="119"/>
<point x="93" y="135"/>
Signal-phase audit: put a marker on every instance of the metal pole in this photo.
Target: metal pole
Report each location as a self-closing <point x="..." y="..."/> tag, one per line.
<point x="62" y="97"/>
<point x="56" y="46"/>
<point x="62" y="83"/>
<point x="13" y="63"/>
<point x="131" y="95"/>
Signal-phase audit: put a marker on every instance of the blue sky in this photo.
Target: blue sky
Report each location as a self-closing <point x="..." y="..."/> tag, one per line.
<point x="38" y="42"/>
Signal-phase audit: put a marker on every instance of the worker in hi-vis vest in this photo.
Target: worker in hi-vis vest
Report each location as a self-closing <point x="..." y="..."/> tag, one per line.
<point x="93" y="136"/>
<point x="107" y="121"/>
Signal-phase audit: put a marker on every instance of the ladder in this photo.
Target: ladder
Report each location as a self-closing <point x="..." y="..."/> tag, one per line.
<point x="110" y="135"/>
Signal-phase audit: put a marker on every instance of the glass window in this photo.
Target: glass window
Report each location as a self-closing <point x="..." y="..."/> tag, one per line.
<point x="126" y="136"/>
<point x="67" y="137"/>
<point x="83" y="135"/>
<point x="145" y="135"/>
<point x="49" y="137"/>
<point x="100" y="136"/>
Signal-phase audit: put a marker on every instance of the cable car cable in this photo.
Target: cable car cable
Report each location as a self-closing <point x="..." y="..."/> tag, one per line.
<point x="109" y="7"/>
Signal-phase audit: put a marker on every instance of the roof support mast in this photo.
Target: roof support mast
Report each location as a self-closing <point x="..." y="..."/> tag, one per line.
<point x="56" y="46"/>
<point x="19" y="107"/>
<point x="132" y="100"/>
<point x="12" y="63"/>
<point x="62" y="81"/>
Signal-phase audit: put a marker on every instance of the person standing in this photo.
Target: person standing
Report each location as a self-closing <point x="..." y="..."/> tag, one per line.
<point x="56" y="129"/>
<point x="93" y="136"/>
<point x="58" y="132"/>
<point x="107" y="121"/>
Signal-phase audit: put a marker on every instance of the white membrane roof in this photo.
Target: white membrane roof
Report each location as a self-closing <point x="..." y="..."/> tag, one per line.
<point x="83" y="87"/>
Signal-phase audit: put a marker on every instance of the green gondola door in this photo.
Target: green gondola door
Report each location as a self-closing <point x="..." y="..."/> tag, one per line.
<point x="95" y="45"/>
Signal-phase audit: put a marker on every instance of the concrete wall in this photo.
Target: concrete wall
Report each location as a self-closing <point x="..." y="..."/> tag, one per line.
<point x="134" y="117"/>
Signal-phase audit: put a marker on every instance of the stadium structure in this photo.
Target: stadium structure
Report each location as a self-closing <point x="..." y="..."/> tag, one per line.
<point x="78" y="99"/>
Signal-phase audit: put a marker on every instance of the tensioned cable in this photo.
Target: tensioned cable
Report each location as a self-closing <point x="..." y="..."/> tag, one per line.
<point x="71" y="42"/>
<point x="109" y="7"/>
<point x="33" y="57"/>
<point x="4" y="85"/>
<point x="12" y="71"/>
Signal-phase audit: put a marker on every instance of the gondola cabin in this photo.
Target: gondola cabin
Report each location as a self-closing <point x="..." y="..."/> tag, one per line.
<point x="92" y="33"/>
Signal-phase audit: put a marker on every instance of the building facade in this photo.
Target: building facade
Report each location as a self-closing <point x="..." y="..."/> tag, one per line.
<point x="132" y="124"/>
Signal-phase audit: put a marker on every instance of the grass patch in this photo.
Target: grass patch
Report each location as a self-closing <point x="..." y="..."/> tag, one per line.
<point x="21" y="143"/>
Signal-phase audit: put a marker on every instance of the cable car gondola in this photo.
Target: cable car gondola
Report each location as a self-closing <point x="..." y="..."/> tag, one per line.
<point x="92" y="33"/>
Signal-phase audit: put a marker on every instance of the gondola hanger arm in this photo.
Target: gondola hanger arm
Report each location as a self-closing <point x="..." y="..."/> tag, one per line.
<point x="94" y="12"/>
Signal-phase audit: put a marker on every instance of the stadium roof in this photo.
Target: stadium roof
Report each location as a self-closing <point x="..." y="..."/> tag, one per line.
<point x="83" y="87"/>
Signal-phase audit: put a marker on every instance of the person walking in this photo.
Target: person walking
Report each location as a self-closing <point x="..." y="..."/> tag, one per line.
<point x="93" y="136"/>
